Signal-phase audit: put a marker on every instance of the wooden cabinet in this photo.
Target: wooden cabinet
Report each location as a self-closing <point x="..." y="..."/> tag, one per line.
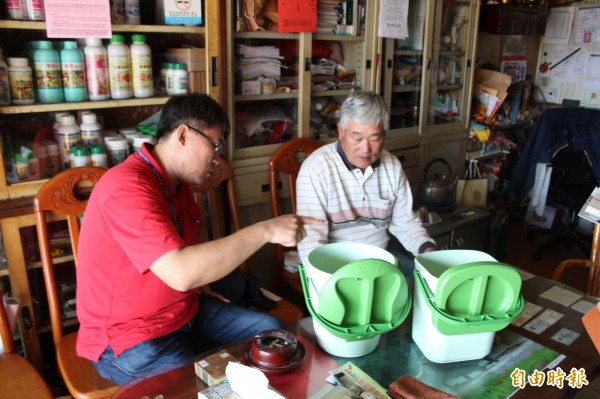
<point x="16" y="219"/>
<point x="464" y="228"/>
<point x="427" y="80"/>
<point x="304" y="89"/>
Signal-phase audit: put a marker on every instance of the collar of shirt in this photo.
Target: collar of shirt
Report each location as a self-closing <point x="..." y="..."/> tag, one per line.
<point x="347" y="162"/>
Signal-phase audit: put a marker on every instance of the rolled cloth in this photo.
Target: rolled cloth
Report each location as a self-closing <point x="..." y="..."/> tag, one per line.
<point x="407" y="387"/>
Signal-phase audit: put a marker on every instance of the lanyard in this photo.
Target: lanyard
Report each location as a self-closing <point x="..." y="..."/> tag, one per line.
<point x="166" y="192"/>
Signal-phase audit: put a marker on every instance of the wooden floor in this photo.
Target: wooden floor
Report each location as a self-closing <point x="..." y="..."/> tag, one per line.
<point x="520" y="250"/>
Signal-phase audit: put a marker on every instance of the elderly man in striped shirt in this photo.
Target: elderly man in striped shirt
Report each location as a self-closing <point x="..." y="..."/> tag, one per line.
<point x="359" y="187"/>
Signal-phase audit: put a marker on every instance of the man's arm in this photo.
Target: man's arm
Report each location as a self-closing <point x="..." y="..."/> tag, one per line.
<point x="196" y="265"/>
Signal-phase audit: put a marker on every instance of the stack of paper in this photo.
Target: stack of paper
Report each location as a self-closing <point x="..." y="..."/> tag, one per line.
<point x="328" y="15"/>
<point x="255" y="61"/>
<point x="491" y="89"/>
<point x="591" y="208"/>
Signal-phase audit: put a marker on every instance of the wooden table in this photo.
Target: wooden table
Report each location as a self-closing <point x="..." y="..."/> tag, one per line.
<point x="397" y="354"/>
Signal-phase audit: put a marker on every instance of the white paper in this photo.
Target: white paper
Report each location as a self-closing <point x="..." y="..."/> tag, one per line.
<point x="393" y="19"/>
<point x="561" y="296"/>
<point x="249" y="383"/>
<point x="543" y="321"/>
<point x="587" y="25"/>
<point x="559" y="25"/>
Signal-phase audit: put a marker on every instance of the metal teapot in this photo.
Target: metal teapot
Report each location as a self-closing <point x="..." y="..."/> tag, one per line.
<point x="437" y="192"/>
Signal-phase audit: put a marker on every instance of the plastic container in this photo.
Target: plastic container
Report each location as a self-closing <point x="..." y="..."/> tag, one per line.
<point x="141" y="67"/>
<point x="117" y="12"/>
<point x="40" y="152"/>
<point x="80" y="156"/>
<point x="53" y="153"/>
<point x="56" y="124"/>
<point x="119" y="68"/>
<point x="68" y="135"/>
<point x="461" y="298"/>
<point x="179" y="79"/>
<point x="16" y="9"/>
<point x="35" y="10"/>
<point x="98" y="156"/>
<point x="73" y="72"/>
<point x="96" y="68"/>
<point x="91" y="130"/>
<point x="21" y="81"/>
<point x="48" y="75"/>
<point x="117" y="150"/>
<point x="5" y="86"/>
<point x="138" y="141"/>
<point x="162" y="80"/>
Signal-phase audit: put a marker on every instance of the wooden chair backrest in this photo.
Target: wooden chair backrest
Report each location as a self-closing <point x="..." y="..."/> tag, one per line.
<point x="286" y="160"/>
<point x="64" y="196"/>
<point x="210" y="194"/>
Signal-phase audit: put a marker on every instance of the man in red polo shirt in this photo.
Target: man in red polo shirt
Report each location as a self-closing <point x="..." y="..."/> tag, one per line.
<point x="140" y="265"/>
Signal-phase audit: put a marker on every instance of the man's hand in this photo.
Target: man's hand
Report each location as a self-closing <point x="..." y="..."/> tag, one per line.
<point x="288" y="230"/>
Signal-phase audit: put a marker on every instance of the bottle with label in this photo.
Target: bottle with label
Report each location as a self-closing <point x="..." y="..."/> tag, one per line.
<point x="117" y="12"/>
<point x="47" y="72"/>
<point x="117" y="149"/>
<point x="4" y="81"/>
<point x="21" y="81"/>
<point x="179" y="76"/>
<point x="69" y="135"/>
<point x="80" y="156"/>
<point x="73" y="72"/>
<point x="119" y="68"/>
<point x="16" y="9"/>
<point x="141" y="67"/>
<point x="96" y="68"/>
<point x="53" y="160"/>
<point x="91" y="131"/>
<point x="35" y="10"/>
<point x="98" y="157"/>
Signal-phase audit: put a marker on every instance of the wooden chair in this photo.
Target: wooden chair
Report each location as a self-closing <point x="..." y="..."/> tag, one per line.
<point x="209" y="193"/>
<point x="18" y="377"/>
<point x="592" y="264"/>
<point x="65" y="196"/>
<point x="285" y="161"/>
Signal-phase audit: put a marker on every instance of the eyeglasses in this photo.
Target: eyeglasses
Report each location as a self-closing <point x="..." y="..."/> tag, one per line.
<point x="218" y="147"/>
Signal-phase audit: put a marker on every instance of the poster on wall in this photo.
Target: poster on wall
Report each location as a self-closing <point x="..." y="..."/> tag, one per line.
<point x="76" y="19"/>
<point x="512" y="60"/>
<point x="587" y="25"/>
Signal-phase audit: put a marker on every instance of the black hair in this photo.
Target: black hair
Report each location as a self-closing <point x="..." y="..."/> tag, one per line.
<point x="198" y="110"/>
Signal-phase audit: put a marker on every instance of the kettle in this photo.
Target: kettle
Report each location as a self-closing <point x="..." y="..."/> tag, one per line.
<point x="437" y="192"/>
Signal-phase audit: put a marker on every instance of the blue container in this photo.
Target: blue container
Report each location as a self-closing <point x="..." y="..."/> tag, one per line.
<point x="73" y="72"/>
<point x="47" y="74"/>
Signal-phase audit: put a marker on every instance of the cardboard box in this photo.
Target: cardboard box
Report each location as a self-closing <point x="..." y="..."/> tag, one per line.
<point x="548" y="220"/>
<point x="193" y="58"/>
<point x="211" y="369"/>
<point x="251" y="87"/>
<point x="183" y="12"/>
<point x="197" y="82"/>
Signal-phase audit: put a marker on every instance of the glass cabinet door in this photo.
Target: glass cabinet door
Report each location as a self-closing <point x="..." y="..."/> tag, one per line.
<point x="402" y="78"/>
<point x="449" y="66"/>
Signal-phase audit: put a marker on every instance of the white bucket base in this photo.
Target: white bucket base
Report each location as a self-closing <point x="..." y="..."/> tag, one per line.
<point x="337" y="346"/>
<point x="440" y="348"/>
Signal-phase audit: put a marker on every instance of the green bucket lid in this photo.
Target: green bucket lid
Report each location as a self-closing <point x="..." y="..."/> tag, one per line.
<point x="361" y="299"/>
<point x="473" y="297"/>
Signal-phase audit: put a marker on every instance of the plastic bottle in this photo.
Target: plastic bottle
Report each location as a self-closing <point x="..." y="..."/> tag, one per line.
<point x="119" y="68"/>
<point x="73" y="72"/>
<point x="162" y="80"/>
<point x="53" y="154"/>
<point x="132" y="12"/>
<point x="56" y="123"/>
<point x="98" y="157"/>
<point x="16" y="9"/>
<point x="21" y="81"/>
<point x="80" y="156"/>
<point x="140" y="140"/>
<point x="96" y="70"/>
<point x="117" y="149"/>
<point x="179" y="76"/>
<point x="39" y="152"/>
<point x="47" y="72"/>
<point x="69" y="135"/>
<point x="117" y="12"/>
<point x="4" y="82"/>
<point x="91" y="131"/>
<point x="141" y="67"/>
<point x="35" y="10"/>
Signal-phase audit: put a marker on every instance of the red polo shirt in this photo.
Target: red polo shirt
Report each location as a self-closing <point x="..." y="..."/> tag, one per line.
<point x="127" y="226"/>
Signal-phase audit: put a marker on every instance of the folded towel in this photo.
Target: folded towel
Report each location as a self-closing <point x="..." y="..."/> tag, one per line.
<point x="407" y="387"/>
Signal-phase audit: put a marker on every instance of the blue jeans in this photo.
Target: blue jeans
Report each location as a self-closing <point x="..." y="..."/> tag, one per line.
<point x="216" y="324"/>
<point x="406" y="260"/>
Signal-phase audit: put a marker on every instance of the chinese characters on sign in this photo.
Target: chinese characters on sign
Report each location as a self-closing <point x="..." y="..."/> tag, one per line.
<point x="575" y="379"/>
